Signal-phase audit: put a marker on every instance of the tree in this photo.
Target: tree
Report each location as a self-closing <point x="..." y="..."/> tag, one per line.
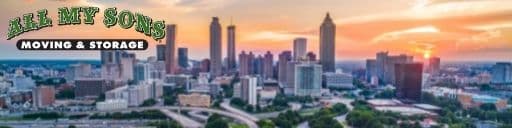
<point x="216" y="121"/>
<point x="71" y="126"/>
<point x="488" y="107"/>
<point x="238" y="102"/>
<point x="149" y="102"/>
<point x="339" y="108"/>
<point x="169" y="100"/>
<point x="66" y="94"/>
<point x="386" y="94"/>
<point x="266" y="123"/>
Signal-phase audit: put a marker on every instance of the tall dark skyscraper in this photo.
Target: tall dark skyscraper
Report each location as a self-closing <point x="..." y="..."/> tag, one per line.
<point x="231" y="61"/>
<point x="408" y="77"/>
<point x="327" y="44"/>
<point x="170" y="42"/>
<point x="160" y="52"/>
<point x="183" y="57"/>
<point x="268" y="67"/>
<point x="215" y="48"/>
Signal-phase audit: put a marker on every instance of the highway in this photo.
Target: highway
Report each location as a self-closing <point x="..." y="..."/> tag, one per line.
<point x="249" y="122"/>
<point x="226" y="105"/>
<point x="197" y="115"/>
<point x="78" y="123"/>
<point x="183" y="120"/>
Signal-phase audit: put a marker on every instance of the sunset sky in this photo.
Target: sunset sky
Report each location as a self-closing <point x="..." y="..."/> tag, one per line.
<point x="452" y="29"/>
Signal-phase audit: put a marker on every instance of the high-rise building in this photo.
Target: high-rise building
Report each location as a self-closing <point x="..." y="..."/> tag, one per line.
<point x="501" y="73"/>
<point x="80" y="70"/>
<point x="43" y="96"/>
<point x="215" y="47"/>
<point x="389" y="69"/>
<point x="248" y="89"/>
<point x="170" y="42"/>
<point x="308" y="79"/>
<point x="231" y="60"/>
<point x="284" y="58"/>
<point x="142" y="72"/>
<point x="299" y="48"/>
<point x="258" y="65"/>
<point x="408" y="81"/>
<point x="245" y="62"/>
<point x="380" y="63"/>
<point x="327" y="44"/>
<point x="127" y="65"/>
<point x="205" y="65"/>
<point x="371" y="69"/>
<point x="289" y="88"/>
<point x="311" y="56"/>
<point x="183" y="57"/>
<point x="111" y="56"/>
<point x="268" y="68"/>
<point x="160" y="52"/>
<point x="433" y="66"/>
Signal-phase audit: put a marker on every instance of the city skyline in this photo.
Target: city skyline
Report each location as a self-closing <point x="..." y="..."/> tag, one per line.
<point x="417" y="28"/>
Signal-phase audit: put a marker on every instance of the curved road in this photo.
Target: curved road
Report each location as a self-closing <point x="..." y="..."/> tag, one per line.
<point x="183" y="120"/>
<point x="226" y="105"/>
<point x="249" y="122"/>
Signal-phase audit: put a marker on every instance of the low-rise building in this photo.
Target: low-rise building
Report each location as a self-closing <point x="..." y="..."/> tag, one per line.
<point x="194" y="100"/>
<point x="112" y="105"/>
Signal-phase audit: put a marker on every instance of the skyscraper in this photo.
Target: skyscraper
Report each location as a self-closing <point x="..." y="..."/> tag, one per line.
<point x="311" y="56"/>
<point x="248" y="89"/>
<point x="289" y="88"/>
<point x="284" y="58"/>
<point x="389" y="66"/>
<point x="502" y="72"/>
<point x="111" y="56"/>
<point x="408" y="81"/>
<point x="258" y="65"/>
<point x="160" y="52"/>
<point x="433" y="65"/>
<point x="170" y="43"/>
<point x="244" y="64"/>
<point x="268" y="67"/>
<point x="231" y="64"/>
<point x="127" y="65"/>
<point x="299" y="48"/>
<point x="215" y="47"/>
<point x="380" y="64"/>
<point x="308" y="79"/>
<point x="371" y="69"/>
<point x="183" y="57"/>
<point x="327" y="44"/>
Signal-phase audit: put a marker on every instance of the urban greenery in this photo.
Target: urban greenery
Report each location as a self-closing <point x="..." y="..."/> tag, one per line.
<point x="147" y="114"/>
<point x="43" y="115"/>
<point x="216" y="121"/>
<point x="149" y="102"/>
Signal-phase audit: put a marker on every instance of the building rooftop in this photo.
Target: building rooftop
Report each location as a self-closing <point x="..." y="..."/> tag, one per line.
<point x="405" y="110"/>
<point x="427" y="106"/>
<point x="383" y="102"/>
